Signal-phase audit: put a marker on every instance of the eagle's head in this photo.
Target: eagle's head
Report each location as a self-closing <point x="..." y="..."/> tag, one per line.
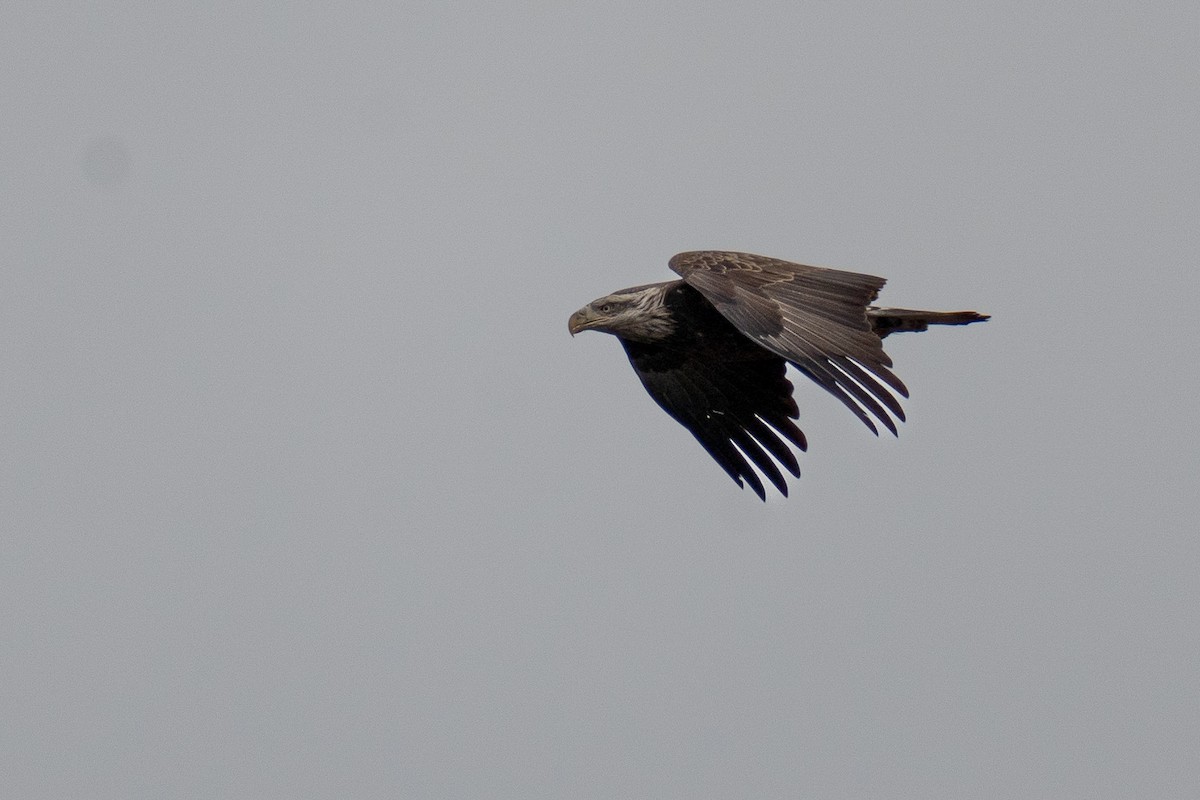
<point x="637" y="313"/>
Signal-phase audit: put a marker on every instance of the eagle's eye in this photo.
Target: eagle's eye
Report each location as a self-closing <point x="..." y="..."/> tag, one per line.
<point x="607" y="308"/>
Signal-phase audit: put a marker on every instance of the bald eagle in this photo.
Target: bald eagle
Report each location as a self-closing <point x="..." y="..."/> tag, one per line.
<point x="712" y="350"/>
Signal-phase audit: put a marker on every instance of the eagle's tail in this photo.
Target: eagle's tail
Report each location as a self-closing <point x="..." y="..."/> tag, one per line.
<point x="897" y="320"/>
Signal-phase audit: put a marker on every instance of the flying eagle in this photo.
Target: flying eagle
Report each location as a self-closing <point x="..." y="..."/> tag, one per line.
<point x="712" y="349"/>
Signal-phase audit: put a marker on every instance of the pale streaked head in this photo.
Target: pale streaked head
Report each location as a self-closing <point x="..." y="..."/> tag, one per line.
<point x="636" y="313"/>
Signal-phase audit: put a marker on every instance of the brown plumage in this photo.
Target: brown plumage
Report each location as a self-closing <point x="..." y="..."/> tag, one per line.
<point x="712" y="349"/>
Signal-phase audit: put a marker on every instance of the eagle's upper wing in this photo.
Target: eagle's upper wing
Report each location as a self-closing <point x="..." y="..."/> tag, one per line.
<point x="811" y="316"/>
<point x="727" y="402"/>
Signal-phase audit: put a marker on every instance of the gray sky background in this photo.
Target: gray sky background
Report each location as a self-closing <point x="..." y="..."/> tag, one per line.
<point x="308" y="493"/>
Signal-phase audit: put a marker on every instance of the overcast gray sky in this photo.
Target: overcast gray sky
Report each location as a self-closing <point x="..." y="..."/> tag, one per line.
<point x="308" y="493"/>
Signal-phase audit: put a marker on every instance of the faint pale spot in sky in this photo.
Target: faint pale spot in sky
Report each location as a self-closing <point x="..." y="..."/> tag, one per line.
<point x="105" y="160"/>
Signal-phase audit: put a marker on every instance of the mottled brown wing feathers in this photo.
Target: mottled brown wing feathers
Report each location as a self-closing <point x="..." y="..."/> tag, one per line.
<point x="815" y="318"/>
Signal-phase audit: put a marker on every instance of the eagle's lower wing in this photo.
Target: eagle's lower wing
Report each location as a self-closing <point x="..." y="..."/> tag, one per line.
<point x="732" y="407"/>
<point x="811" y="316"/>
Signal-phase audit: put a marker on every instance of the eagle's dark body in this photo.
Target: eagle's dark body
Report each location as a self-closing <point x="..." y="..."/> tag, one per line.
<point x="712" y="349"/>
